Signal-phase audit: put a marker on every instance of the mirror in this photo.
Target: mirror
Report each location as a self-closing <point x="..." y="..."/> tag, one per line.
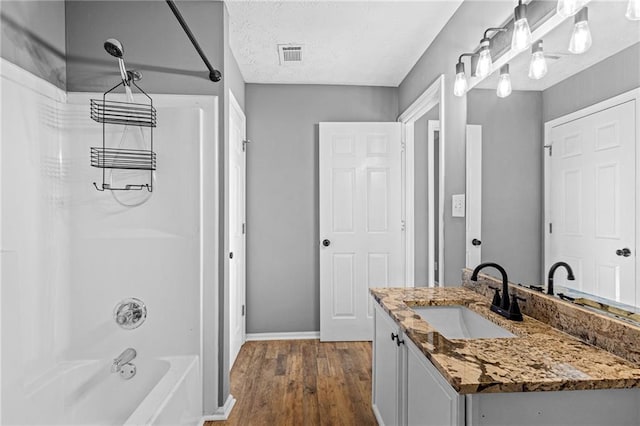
<point x="577" y="200"/>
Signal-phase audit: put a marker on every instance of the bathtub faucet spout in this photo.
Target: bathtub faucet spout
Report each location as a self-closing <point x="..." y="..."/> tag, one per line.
<point x="124" y="358"/>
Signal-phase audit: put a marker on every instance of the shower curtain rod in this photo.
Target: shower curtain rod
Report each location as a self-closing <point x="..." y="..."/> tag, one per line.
<point x="214" y="74"/>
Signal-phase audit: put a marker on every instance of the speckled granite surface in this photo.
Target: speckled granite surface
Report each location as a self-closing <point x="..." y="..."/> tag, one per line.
<point x="617" y="336"/>
<point x="541" y="358"/>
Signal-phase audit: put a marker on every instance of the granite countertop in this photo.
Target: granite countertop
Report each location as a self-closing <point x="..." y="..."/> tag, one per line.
<point x="540" y="358"/>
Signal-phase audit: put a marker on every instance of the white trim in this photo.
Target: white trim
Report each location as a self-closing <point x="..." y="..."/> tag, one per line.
<point x="222" y="413"/>
<point x="473" y="199"/>
<point x="408" y="205"/>
<point x="425" y="102"/>
<point x="631" y="95"/>
<point x="432" y="96"/>
<point x="432" y="127"/>
<point x="299" y="335"/>
<point x="377" y="414"/>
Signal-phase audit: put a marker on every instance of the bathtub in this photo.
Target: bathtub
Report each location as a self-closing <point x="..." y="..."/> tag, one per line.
<point x="164" y="391"/>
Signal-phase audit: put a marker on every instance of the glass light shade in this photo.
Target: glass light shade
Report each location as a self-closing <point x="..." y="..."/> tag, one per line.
<point x="521" y="35"/>
<point x="485" y="64"/>
<point x="504" y="85"/>
<point x="580" y="38"/>
<point x="568" y="8"/>
<point x="460" y="85"/>
<point x="537" y="66"/>
<point x="633" y="10"/>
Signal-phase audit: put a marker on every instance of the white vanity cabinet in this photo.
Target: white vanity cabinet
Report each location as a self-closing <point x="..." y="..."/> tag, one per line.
<point x="388" y="365"/>
<point x="430" y="400"/>
<point x="407" y="389"/>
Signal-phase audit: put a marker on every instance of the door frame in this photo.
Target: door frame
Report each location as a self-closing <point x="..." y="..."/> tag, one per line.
<point x="631" y="95"/>
<point x="432" y="96"/>
<point x="473" y="195"/>
<point x="234" y="105"/>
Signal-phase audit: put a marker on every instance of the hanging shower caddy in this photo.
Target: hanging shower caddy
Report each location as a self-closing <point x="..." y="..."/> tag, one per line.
<point x="109" y="111"/>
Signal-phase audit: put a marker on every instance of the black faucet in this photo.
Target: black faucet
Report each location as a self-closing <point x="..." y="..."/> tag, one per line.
<point x="552" y="271"/>
<point x="501" y="305"/>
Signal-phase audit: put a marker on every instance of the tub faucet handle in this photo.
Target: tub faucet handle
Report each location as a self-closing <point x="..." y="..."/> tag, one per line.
<point x="130" y="313"/>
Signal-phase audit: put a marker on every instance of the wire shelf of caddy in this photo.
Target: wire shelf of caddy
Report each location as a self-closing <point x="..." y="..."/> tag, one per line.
<point x="120" y="113"/>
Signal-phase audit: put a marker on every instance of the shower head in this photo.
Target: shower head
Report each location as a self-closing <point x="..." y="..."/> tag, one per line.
<point x="114" y="48"/>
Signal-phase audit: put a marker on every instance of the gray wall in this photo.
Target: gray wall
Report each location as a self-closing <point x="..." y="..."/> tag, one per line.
<point x="512" y="180"/>
<point x="33" y="37"/>
<point x="459" y="35"/>
<point x="615" y="75"/>
<point x="156" y="45"/>
<point x="421" y="205"/>
<point x="283" y="287"/>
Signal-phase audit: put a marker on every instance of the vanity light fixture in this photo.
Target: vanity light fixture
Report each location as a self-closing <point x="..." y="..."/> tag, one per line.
<point x="633" y="10"/>
<point x="521" y="32"/>
<point x="581" y="37"/>
<point x="485" y="64"/>
<point x="461" y="85"/>
<point x="538" y="64"/>
<point x="568" y="8"/>
<point x="504" y="82"/>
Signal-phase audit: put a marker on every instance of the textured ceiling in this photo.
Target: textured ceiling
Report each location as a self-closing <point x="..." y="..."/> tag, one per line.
<point x="611" y="32"/>
<point x="362" y="43"/>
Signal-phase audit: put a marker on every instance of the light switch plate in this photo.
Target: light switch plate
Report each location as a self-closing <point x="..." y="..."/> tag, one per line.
<point x="457" y="205"/>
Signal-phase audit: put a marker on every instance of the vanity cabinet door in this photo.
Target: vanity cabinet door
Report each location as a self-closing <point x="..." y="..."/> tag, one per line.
<point x="387" y="369"/>
<point x="430" y="399"/>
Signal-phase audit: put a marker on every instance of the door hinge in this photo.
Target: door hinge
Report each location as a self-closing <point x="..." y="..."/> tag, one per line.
<point x="231" y="255"/>
<point x="402" y="225"/>
<point x="244" y="144"/>
<point x="403" y="146"/>
<point x="243" y="228"/>
<point x="242" y="310"/>
<point x="550" y="148"/>
<point x="550" y="228"/>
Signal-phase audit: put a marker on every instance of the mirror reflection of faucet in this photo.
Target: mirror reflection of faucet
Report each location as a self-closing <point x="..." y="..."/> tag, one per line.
<point x="122" y="364"/>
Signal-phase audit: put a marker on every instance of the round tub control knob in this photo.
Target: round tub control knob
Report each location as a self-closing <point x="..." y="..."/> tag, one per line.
<point x="130" y="313"/>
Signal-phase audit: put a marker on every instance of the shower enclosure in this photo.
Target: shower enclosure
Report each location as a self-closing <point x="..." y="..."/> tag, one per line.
<point x="69" y="254"/>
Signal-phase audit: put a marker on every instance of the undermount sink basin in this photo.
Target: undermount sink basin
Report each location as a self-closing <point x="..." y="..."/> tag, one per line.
<point x="459" y="322"/>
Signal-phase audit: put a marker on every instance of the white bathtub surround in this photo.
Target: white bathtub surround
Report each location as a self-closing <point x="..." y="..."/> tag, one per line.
<point x="69" y="253"/>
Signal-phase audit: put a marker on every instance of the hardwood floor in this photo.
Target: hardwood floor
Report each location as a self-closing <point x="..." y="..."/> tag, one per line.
<point x="302" y="382"/>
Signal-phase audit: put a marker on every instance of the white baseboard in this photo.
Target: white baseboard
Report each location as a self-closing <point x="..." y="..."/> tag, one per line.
<point x="222" y="413"/>
<point x="376" y="413"/>
<point x="301" y="335"/>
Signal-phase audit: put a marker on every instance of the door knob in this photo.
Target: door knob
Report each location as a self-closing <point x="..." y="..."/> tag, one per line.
<point x="476" y="242"/>
<point x="326" y="243"/>
<point x="625" y="252"/>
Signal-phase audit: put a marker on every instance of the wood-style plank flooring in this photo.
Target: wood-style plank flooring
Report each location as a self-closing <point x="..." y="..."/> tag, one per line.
<point x="302" y="382"/>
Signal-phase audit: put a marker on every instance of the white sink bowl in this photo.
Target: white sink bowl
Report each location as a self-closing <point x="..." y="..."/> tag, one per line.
<point x="458" y="322"/>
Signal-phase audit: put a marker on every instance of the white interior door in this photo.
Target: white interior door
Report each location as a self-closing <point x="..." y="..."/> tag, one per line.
<point x="474" y="195"/>
<point x="237" y="227"/>
<point x="361" y="235"/>
<point x="593" y="203"/>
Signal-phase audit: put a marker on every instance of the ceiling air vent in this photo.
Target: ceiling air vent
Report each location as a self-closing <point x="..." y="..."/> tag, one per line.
<point x="290" y="53"/>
